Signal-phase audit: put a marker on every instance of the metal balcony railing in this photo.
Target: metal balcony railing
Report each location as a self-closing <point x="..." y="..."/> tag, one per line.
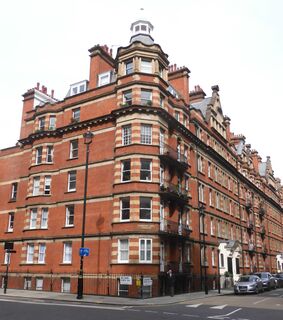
<point x="262" y="230"/>
<point x="168" y="152"/>
<point x="248" y="204"/>
<point x="174" y="192"/>
<point x="250" y="225"/>
<point x="261" y="212"/>
<point x="174" y="228"/>
<point x="251" y="247"/>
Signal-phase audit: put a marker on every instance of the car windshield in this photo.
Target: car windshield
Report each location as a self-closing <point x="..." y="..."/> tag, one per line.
<point x="247" y="279"/>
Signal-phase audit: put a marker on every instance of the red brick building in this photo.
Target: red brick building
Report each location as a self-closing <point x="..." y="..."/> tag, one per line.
<point x="169" y="186"/>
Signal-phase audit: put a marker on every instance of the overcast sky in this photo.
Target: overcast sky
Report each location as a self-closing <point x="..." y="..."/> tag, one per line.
<point x="237" y="44"/>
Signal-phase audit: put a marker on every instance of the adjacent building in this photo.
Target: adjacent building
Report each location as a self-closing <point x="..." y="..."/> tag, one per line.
<point x="169" y="185"/>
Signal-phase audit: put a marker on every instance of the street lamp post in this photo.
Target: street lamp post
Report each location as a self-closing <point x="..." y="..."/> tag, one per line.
<point x="87" y="141"/>
<point x="202" y="214"/>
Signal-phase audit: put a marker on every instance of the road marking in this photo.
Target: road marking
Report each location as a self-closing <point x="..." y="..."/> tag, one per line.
<point x="191" y="315"/>
<point x="65" y="304"/>
<point x="224" y="316"/>
<point x="170" y="313"/>
<point x="193" y="305"/>
<point x="151" y="311"/>
<point x="219" y="307"/>
<point x="259" y="301"/>
<point x="135" y="310"/>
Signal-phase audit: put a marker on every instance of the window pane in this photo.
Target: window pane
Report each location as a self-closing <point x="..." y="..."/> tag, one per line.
<point x="146" y="66"/>
<point x="145" y="208"/>
<point x="127" y="135"/>
<point x="146" y="134"/>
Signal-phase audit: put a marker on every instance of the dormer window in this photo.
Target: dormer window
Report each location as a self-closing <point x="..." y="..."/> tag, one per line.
<point x="77" y="88"/>
<point x="104" y="78"/>
<point x="146" y="66"/>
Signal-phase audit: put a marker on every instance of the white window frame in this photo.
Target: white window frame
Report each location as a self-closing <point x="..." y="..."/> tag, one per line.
<point x="143" y="251"/>
<point x="14" y="190"/>
<point x="129" y="70"/>
<point x="41" y="123"/>
<point x="161" y="175"/>
<point x="213" y="257"/>
<point x="146" y="133"/>
<point x="123" y="208"/>
<point x="52" y="123"/>
<point x="146" y="97"/>
<point x="38" y="155"/>
<point x="128" y="97"/>
<point x="125" y="171"/>
<point x="70" y="215"/>
<point x="145" y="208"/>
<point x="67" y="252"/>
<point x="33" y="218"/>
<point x="30" y="252"/>
<point x="11" y="221"/>
<point x="72" y="179"/>
<point x="104" y="78"/>
<point x="146" y="66"/>
<point x="36" y="186"/>
<point x="146" y="171"/>
<point x="121" y="250"/>
<point x="126" y="135"/>
<point x="201" y="192"/>
<point x="44" y="218"/>
<point x="49" y="154"/>
<point x="212" y="226"/>
<point x="47" y="185"/>
<point x="74" y="149"/>
<point x="76" y="114"/>
<point x="41" y="253"/>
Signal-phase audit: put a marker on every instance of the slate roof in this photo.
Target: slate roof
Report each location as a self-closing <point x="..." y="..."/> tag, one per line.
<point x="201" y="105"/>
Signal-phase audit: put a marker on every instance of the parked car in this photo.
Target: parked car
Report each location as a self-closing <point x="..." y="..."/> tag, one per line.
<point x="278" y="279"/>
<point x="248" y="284"/>
<point x="268" y="280"/>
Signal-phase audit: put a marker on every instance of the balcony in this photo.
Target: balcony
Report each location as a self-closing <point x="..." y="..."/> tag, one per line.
<point x="262" y="231"/>
<point x="171" y="156"/>
<point x="251" y="247"/>
<point x="261" y="212"/>
<point x="173" y="193"/>
<point x="264" y="251"/>
<point x="250" y="226"/>
<point x="169" y="227"/>
<point x="248" y="204"/>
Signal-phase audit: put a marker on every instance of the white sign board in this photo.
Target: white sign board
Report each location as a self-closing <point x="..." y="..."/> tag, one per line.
<point x="126" y="280"/>
<point x="147" y="282"/>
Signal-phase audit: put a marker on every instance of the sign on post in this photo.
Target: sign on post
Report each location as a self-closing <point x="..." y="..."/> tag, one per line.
<point x="126" y="280"/>
<point x="84" y="252"/>
<point x="147" y="281"/>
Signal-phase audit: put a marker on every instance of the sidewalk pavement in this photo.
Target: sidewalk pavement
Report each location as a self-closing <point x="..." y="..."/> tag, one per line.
<point x="107" y="300"/>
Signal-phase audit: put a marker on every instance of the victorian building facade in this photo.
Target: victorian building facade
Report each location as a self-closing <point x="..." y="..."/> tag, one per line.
<point x="169" y="186"/>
